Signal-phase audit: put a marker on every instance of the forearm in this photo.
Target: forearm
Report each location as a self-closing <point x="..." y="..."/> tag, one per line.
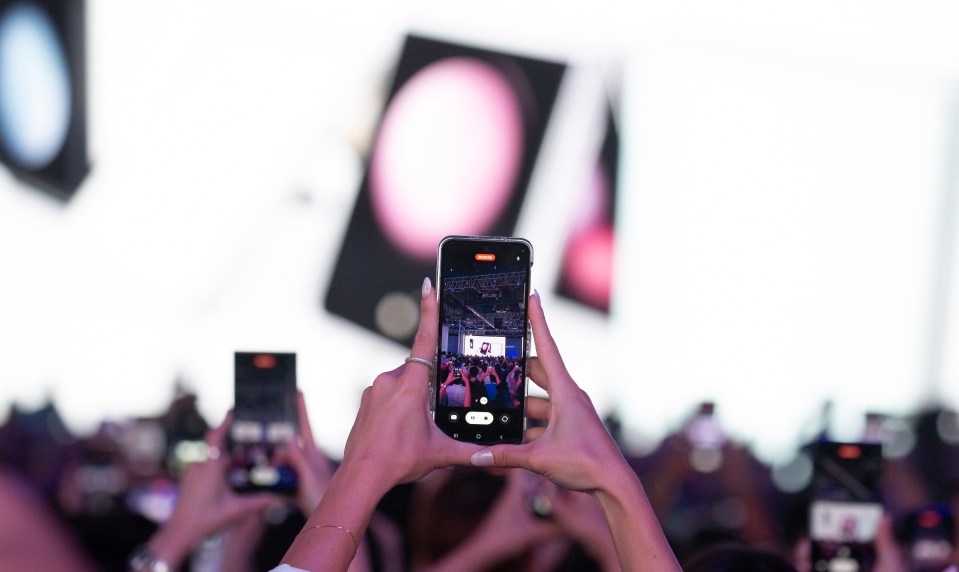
<point x="329" y="539"/>
<point x="637" y="535"/>
<point x="600" y="547"/>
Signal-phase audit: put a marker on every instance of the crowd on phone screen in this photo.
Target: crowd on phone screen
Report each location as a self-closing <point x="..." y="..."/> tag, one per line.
<point x="493" y="382"/>
<point x="70" y="503"/>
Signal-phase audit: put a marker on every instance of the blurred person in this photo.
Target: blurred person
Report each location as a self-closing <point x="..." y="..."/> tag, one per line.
<point x="708" y="490"/>
<point x="472" y="519"/>
<point x="737" y="558"/>
<point x="206" y="504"/>
<point x="394" y="440"/>
<point x="509" y="520"/>
<point x="31" y="535"/>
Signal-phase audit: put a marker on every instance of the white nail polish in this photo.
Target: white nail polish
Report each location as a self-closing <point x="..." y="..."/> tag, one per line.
<point x="482" y="459"/>
<point x="427" y="286"/>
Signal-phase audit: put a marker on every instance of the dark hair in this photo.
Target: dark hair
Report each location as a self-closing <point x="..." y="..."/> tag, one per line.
<point x="735" y="558"/>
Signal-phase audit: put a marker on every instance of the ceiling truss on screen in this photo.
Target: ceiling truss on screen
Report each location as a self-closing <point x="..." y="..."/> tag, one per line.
<point x="485" y="283"/>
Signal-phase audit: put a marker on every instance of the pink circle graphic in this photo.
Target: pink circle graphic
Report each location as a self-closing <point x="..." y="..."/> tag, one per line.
<point x="589" y="265"/>
<point x="447" y="154"/>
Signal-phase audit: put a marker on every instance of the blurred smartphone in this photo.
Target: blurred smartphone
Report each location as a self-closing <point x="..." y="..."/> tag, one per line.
<point x="928" y="534"/>
<point x="483" y="286"/>
<point x="264" y="420"/>
<point x="845" y="506"/>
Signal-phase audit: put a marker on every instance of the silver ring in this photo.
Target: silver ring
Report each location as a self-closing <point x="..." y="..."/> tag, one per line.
<point x="212" y="452"/>
<point x="425" y="362"/>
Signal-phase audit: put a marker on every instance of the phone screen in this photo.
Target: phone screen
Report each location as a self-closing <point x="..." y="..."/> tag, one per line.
<point x="845" y="507"/>
<point x="480" y="387"/>
<point x="264" y="420"/>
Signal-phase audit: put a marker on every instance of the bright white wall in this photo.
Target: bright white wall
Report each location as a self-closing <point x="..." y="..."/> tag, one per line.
<point x="781" y="216"/>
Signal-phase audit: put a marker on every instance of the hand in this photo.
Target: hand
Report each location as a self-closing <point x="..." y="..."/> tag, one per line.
<point x="510" y="526"/>
<point x="508" y="529"/>
<point x="206" y="503"/>
<point x="575" y="449"/>
<point x="394" y="434"/>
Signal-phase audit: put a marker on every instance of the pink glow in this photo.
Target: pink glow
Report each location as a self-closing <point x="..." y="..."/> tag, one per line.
<point x="593" y="201"/>
<point x="447" y="155"/>
<point x="589" y="265"/>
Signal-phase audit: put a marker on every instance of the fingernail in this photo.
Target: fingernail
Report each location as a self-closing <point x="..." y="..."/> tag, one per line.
<point x="482" y="459"/>
<point x="427" y="286"/>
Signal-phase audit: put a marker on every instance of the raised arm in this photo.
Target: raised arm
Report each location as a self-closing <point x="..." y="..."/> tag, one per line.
<point x="393" y="440"/>
<point x="576" y="451"/>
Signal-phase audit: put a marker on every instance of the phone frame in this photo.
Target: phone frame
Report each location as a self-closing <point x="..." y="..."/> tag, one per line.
<point x="508" y="424"/>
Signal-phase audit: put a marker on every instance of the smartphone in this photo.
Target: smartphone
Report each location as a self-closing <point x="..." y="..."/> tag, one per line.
<point x="483" y="285"/>
<point x="264" y="421"/>
<point x="928" y="534"/>
<point x="845" y="506"/>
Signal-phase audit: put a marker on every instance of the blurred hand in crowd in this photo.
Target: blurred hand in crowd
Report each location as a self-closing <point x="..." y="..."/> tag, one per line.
<point x="206" y="503"/>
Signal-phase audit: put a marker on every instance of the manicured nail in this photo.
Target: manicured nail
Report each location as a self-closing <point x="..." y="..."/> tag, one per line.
<point x="427" y="286"/>
<point x="483" y="459"/>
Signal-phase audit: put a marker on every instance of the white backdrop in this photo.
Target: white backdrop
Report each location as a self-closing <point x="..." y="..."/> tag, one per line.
<point x="783" y="232"/>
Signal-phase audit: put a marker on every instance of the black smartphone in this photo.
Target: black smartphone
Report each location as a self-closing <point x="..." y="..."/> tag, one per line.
<point x="264" y="421"/>
<point x="845" y="505"/>
<point x="483" y="284"/>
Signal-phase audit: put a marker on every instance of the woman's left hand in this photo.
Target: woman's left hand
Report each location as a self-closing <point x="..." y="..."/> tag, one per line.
<point x="394" y="433"/>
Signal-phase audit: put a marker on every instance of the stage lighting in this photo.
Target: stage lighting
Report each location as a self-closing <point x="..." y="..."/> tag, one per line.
<point x="42" y="93"/>
<point x="453" y="154"/>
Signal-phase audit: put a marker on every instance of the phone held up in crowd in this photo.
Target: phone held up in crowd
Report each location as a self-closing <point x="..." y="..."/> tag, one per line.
<point x="264" y="421"/>
<point x="479" y="390"/>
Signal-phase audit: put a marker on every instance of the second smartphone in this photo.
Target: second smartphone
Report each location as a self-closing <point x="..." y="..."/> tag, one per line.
<point x="483" y="284"/>
<point x="264" y="421"/>
<point x="845" y="505"/>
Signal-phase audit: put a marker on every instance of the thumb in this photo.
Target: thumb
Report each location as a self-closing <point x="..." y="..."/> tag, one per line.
<point x="502" y="456"/>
